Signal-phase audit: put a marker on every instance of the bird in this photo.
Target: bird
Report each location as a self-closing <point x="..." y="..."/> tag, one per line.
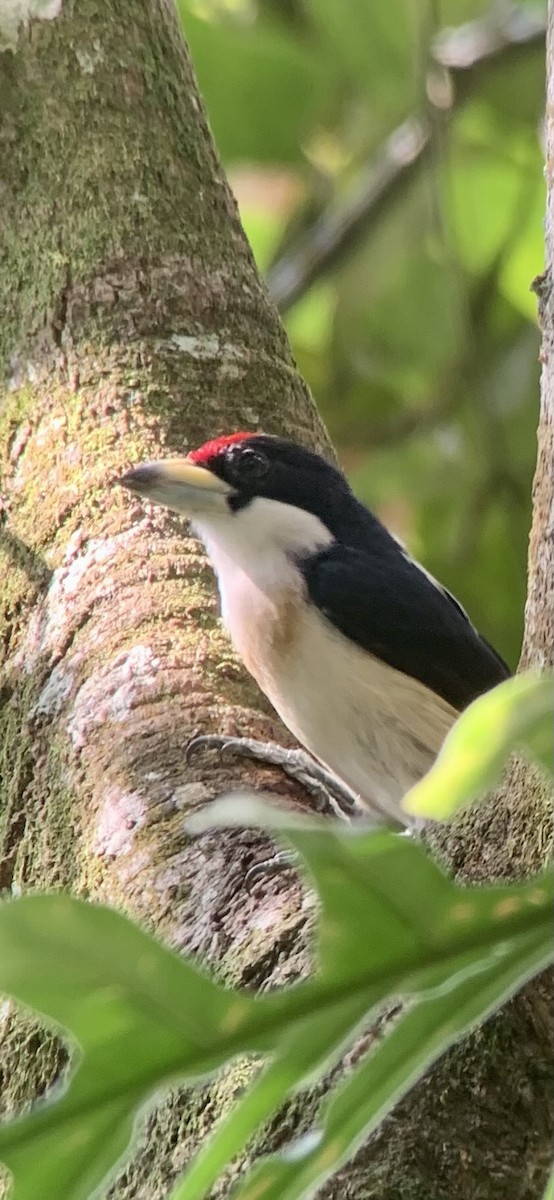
<point x="364" y="655"/>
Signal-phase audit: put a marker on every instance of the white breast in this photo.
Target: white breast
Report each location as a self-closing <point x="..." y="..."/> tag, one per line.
<point x="374" y="727"/>
<point x="252" y="554"/>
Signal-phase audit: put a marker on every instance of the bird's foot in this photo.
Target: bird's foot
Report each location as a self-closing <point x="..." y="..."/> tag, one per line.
<point x="282" y="860"/>
<point x="331" y="796"/>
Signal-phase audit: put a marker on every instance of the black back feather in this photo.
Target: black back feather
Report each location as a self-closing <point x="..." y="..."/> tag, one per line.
<point x="364" y="583"/>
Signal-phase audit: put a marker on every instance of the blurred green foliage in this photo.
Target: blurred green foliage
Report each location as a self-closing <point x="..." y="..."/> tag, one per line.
<point x="403" y="267"/>
<point x="440" y="957"/>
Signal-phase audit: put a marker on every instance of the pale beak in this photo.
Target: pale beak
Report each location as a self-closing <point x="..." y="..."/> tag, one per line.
<point x="179" y="484"/>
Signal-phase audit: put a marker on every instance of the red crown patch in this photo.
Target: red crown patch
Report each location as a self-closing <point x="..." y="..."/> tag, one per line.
<point x="216" y="445"/>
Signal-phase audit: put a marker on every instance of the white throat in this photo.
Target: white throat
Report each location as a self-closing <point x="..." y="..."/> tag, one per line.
<point x="258" y="543"/>
<point x="252" y="552"/>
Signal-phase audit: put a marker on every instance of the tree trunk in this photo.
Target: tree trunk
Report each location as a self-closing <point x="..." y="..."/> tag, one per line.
<point x="134" y="325"/>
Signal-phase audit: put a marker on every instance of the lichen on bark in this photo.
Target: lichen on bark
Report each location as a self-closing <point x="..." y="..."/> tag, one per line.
<point x="134" y="324"/>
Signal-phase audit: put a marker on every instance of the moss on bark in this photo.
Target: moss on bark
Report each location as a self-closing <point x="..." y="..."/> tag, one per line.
<point x="134" y="323"/>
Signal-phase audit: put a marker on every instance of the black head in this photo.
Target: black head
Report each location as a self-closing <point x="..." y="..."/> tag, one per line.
<point x="258" y="465"/>
<point x="226" y="475"/>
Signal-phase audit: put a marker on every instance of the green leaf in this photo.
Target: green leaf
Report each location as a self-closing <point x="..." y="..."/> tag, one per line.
<point x="115" y="976"/>
<point x="304" y="1055"/>
<point x="74" y="1153"/>
<point x="448" y="996"/>
<point x="360" y="1103"/>
<point x="515" y="715"/>
<point x="114" y="988"/>
<point x="369" y="41"/>
<point x="491" y="186"/>
<point x="96" y="974"/>
<point x="526" y="257"/>
<point x="262" y="89"/>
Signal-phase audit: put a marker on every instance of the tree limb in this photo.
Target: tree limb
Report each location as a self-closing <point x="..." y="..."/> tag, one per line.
<point x="466" y="54"/>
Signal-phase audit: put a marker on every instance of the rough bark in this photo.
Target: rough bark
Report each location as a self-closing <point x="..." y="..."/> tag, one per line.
<point x="133" y="323"/>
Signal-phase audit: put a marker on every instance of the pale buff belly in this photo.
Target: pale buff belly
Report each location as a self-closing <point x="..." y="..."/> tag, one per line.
<point x="375" y="728"/>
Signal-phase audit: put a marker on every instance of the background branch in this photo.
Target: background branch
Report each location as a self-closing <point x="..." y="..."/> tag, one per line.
<point x="464" y="54"/>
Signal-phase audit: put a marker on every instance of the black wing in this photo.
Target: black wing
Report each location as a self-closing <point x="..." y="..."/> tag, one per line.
<point x="389" y="606"/>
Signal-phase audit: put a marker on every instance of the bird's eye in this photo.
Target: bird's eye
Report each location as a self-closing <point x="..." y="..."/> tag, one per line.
<point x="250" y="465"/>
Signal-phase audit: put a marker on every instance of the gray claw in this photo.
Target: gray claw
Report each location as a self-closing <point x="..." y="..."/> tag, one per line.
<point x="204" y="741"/>
<point x="328" y="792"/>
<point x="282" y="860"/>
